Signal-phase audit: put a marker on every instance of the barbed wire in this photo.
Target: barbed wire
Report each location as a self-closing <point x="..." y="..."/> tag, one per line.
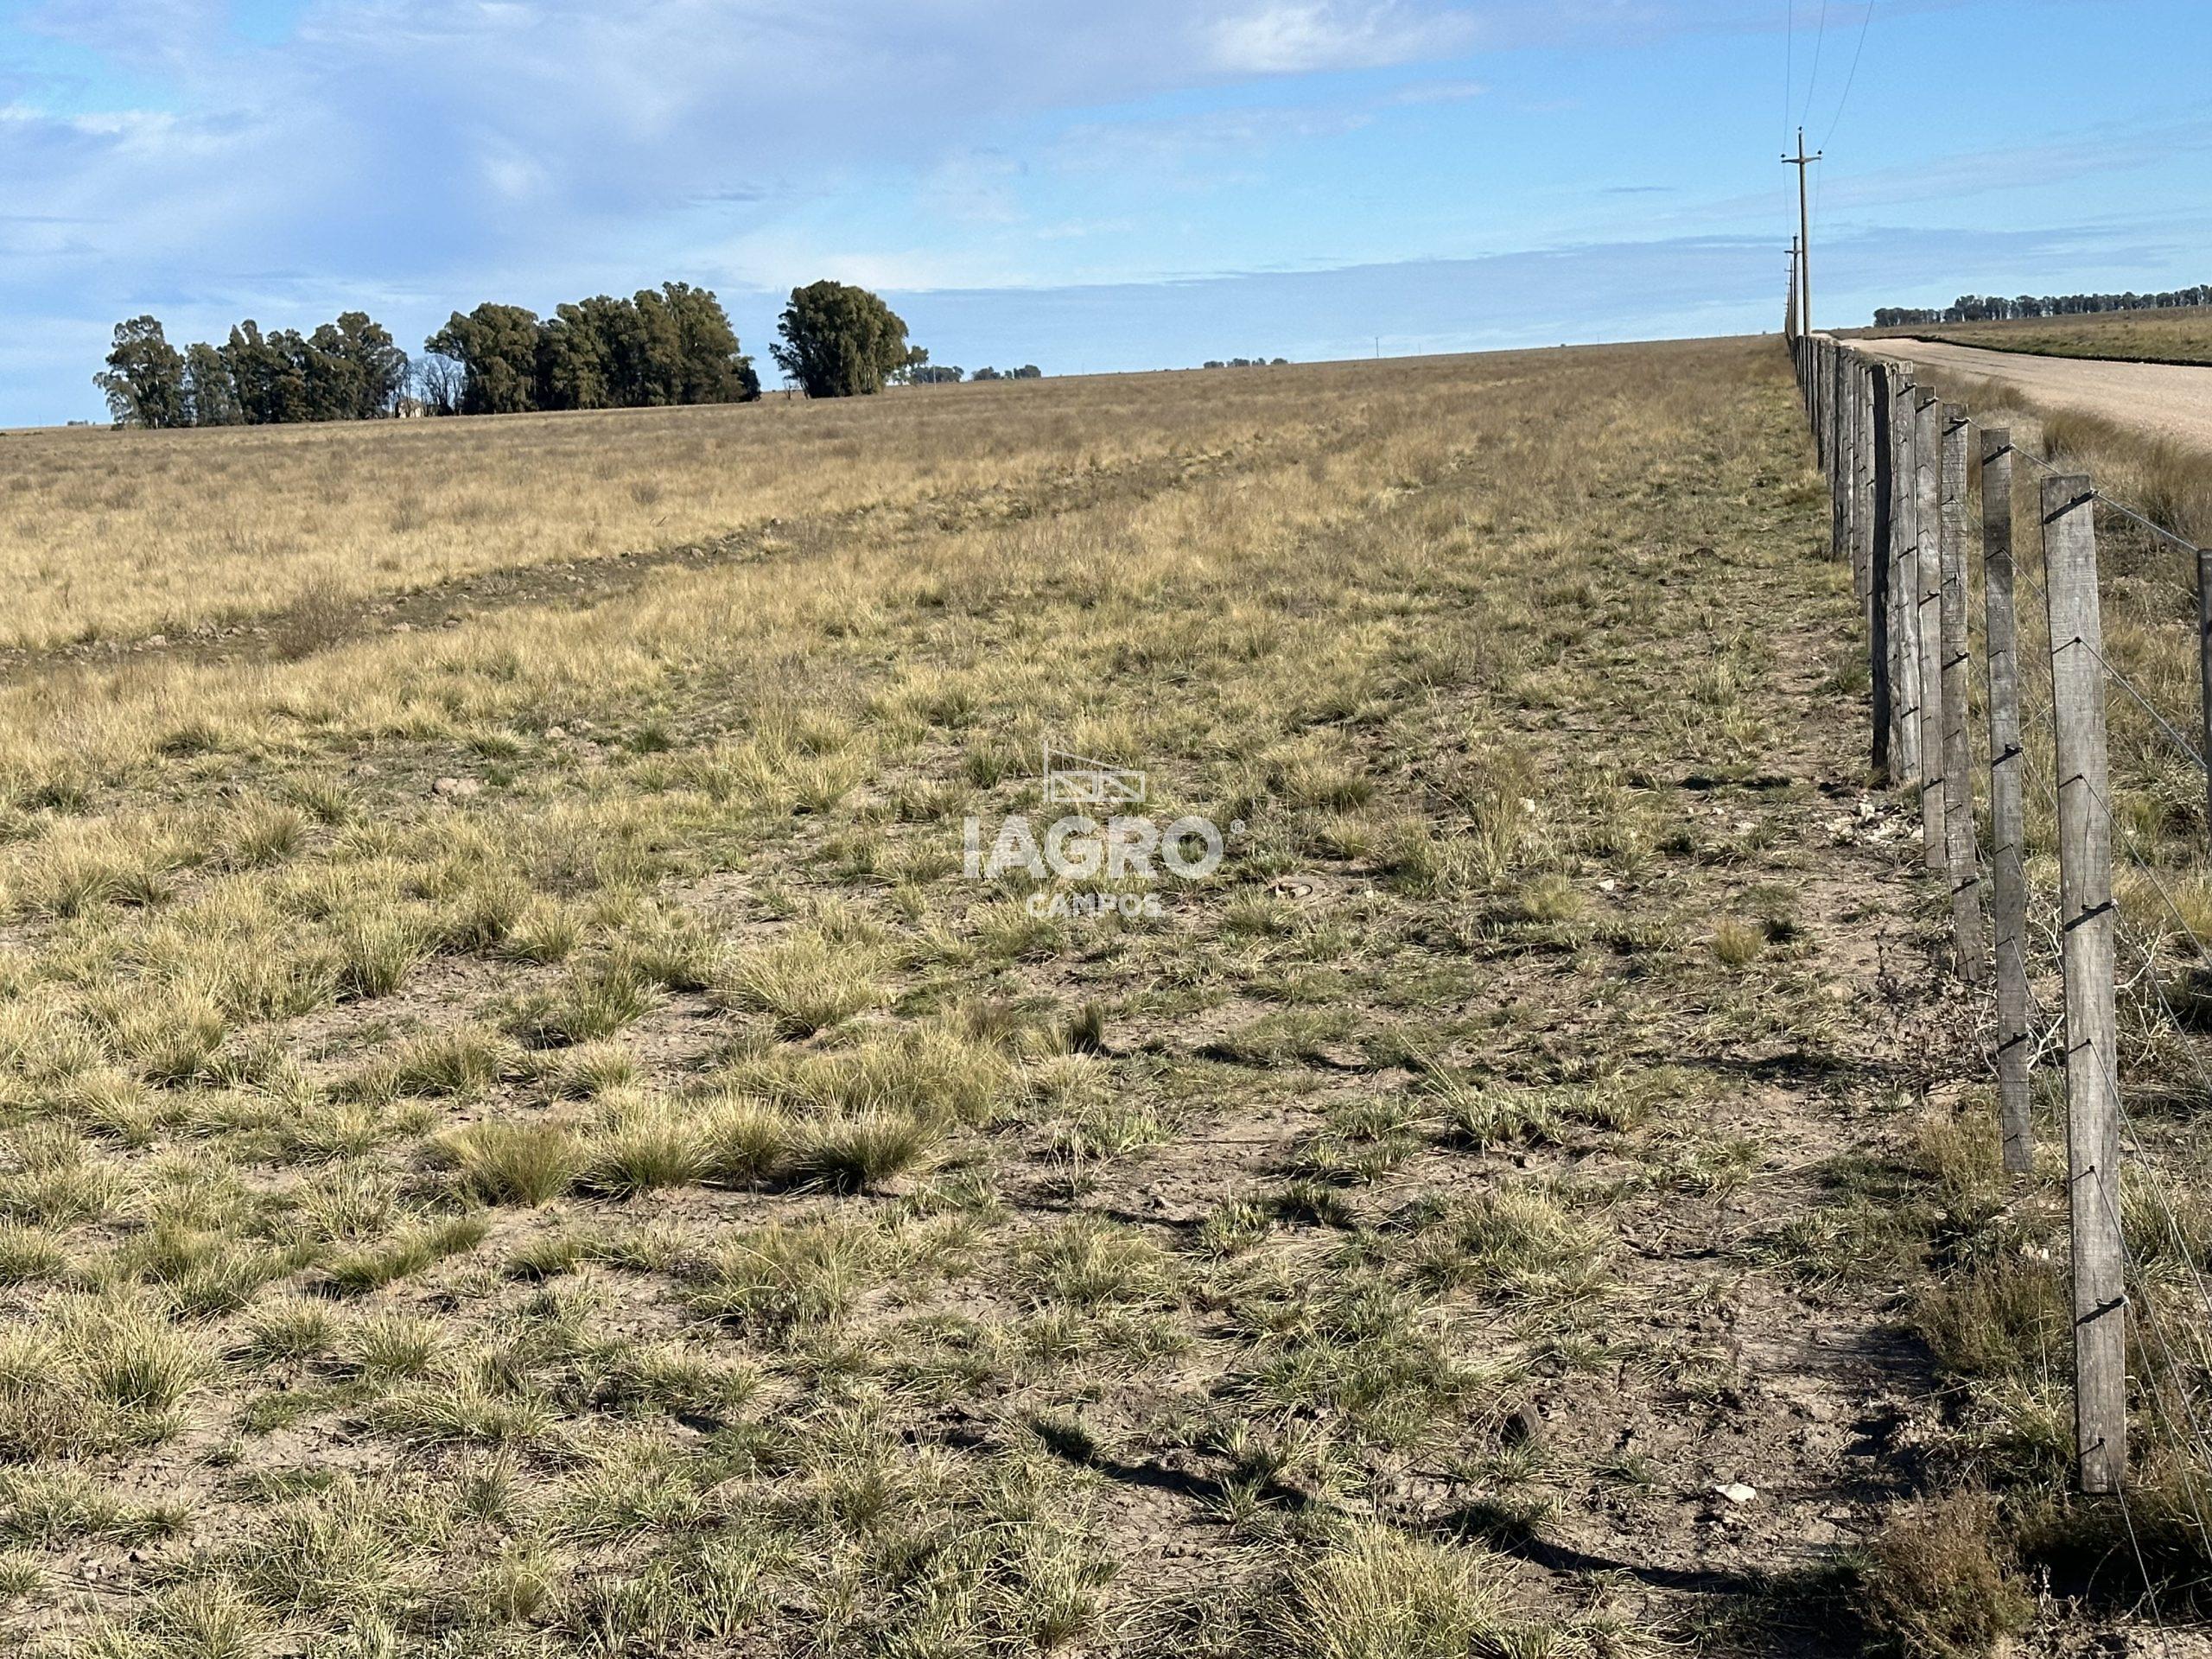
<point x="2110" y="501"/>
<point x="2173" y="734"/>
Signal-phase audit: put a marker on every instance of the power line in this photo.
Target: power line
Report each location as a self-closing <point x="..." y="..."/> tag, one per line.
<point x="1851" y="78"/>
<point x="1819" y="179"/>
<point x="1788" y="63"/>
<point x="1819" y="39"/>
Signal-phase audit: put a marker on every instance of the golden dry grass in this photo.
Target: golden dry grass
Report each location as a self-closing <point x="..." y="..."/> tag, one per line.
<point x="521" y="1139"/>
<point x="117" y="535"/>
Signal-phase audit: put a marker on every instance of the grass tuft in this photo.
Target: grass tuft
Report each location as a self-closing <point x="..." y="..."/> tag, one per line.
<point x="522" y="1163"/>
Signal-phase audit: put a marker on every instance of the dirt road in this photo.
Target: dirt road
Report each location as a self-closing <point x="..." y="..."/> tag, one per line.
<point x="2167" y="398"/>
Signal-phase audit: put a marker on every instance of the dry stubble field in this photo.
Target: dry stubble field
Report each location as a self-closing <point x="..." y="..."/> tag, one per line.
<point x="521" y="1138"/>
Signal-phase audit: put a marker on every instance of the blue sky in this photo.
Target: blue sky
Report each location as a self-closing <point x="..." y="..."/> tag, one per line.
<point x="1082" y="186"/>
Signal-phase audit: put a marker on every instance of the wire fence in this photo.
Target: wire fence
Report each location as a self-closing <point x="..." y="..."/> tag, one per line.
<point x="2076" y="701"/>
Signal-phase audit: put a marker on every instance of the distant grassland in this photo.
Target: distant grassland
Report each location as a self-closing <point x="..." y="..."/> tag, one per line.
<point x="2181" y="334"/>
<point x="108" y="535"/>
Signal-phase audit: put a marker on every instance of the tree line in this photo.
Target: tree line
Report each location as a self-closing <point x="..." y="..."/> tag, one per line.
<point x="344" y="371"/>
<point x="663" y="346"/>
<point x="920" y="372"/>
<point x="1992" y="308"/>
<point x="670" y="346"/>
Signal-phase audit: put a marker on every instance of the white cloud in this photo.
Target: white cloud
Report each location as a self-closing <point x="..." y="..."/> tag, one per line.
<point x="1301" y="36"/>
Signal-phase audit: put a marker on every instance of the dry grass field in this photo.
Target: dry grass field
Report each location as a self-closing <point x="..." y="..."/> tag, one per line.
<point x="519" y="1135"/>
<point x="111" y="537"/>
<point x="2176" y="335"/>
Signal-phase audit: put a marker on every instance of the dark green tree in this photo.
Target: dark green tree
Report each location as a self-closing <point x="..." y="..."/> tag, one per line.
<point x="576" y="348"/>
<point x="298" y="385"/>
<point x="627" y="351"/>
<point x="332" y="377"/>
<point x="375" y="368"/>
<point x="658" y="363"/>
<point x="710" y="368"/>
<point x="264" y="376"/>
<point x="209" y="398"/>
<point x="671" y="346"/>
<point x="497" y="348"/>
<point x="145" y="377"/>
<point x="839" y="341"/>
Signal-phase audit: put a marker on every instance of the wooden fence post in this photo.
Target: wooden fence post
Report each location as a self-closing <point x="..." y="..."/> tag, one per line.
<point x="1961" y="854"/>
<point x="1868" y="387"/>
<point x="1813" y="383"/>
<point x="1854" y="423"/>
<point x="2007" y="823"/>
<point x="1839" y="454"/>
<point x="1927" y="522"/>
<point x="1880" y="653"/>
<point x="1905" y="589"/>
<point x="2204" y="672"/>
<point x="2087" y="924"/>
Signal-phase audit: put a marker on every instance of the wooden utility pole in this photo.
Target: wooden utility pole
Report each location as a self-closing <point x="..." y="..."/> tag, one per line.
<point x="1800" y="161"/>
<point x="1790" y="307"/>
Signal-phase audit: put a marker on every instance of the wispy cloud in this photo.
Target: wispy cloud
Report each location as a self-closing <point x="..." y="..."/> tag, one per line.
<point x="1301" y="36"/>
<point x="1438" y="91"/>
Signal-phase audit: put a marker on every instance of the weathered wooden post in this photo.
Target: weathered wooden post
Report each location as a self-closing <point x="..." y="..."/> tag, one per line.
<point x="1961" y="856"/>
<point x="2087" y="924"/>
<point x="2007" y="824"/>
<point x="1880" y="653"/>
<point x="1827" y="405"/>
<point x="1852" y="380"/>
<point x="1839" y="454"/>
<point x="2204" y="672"/>
<point x="1865" y="392"/>
<point x="1927" y="521"/>
<point x="1813" y="404"/>
<point x="1905" y="587"/>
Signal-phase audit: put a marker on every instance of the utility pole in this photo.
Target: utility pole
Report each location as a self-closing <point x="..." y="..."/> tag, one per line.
<point x="1790" y="309"/>
<point x="1800" y="161"/>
